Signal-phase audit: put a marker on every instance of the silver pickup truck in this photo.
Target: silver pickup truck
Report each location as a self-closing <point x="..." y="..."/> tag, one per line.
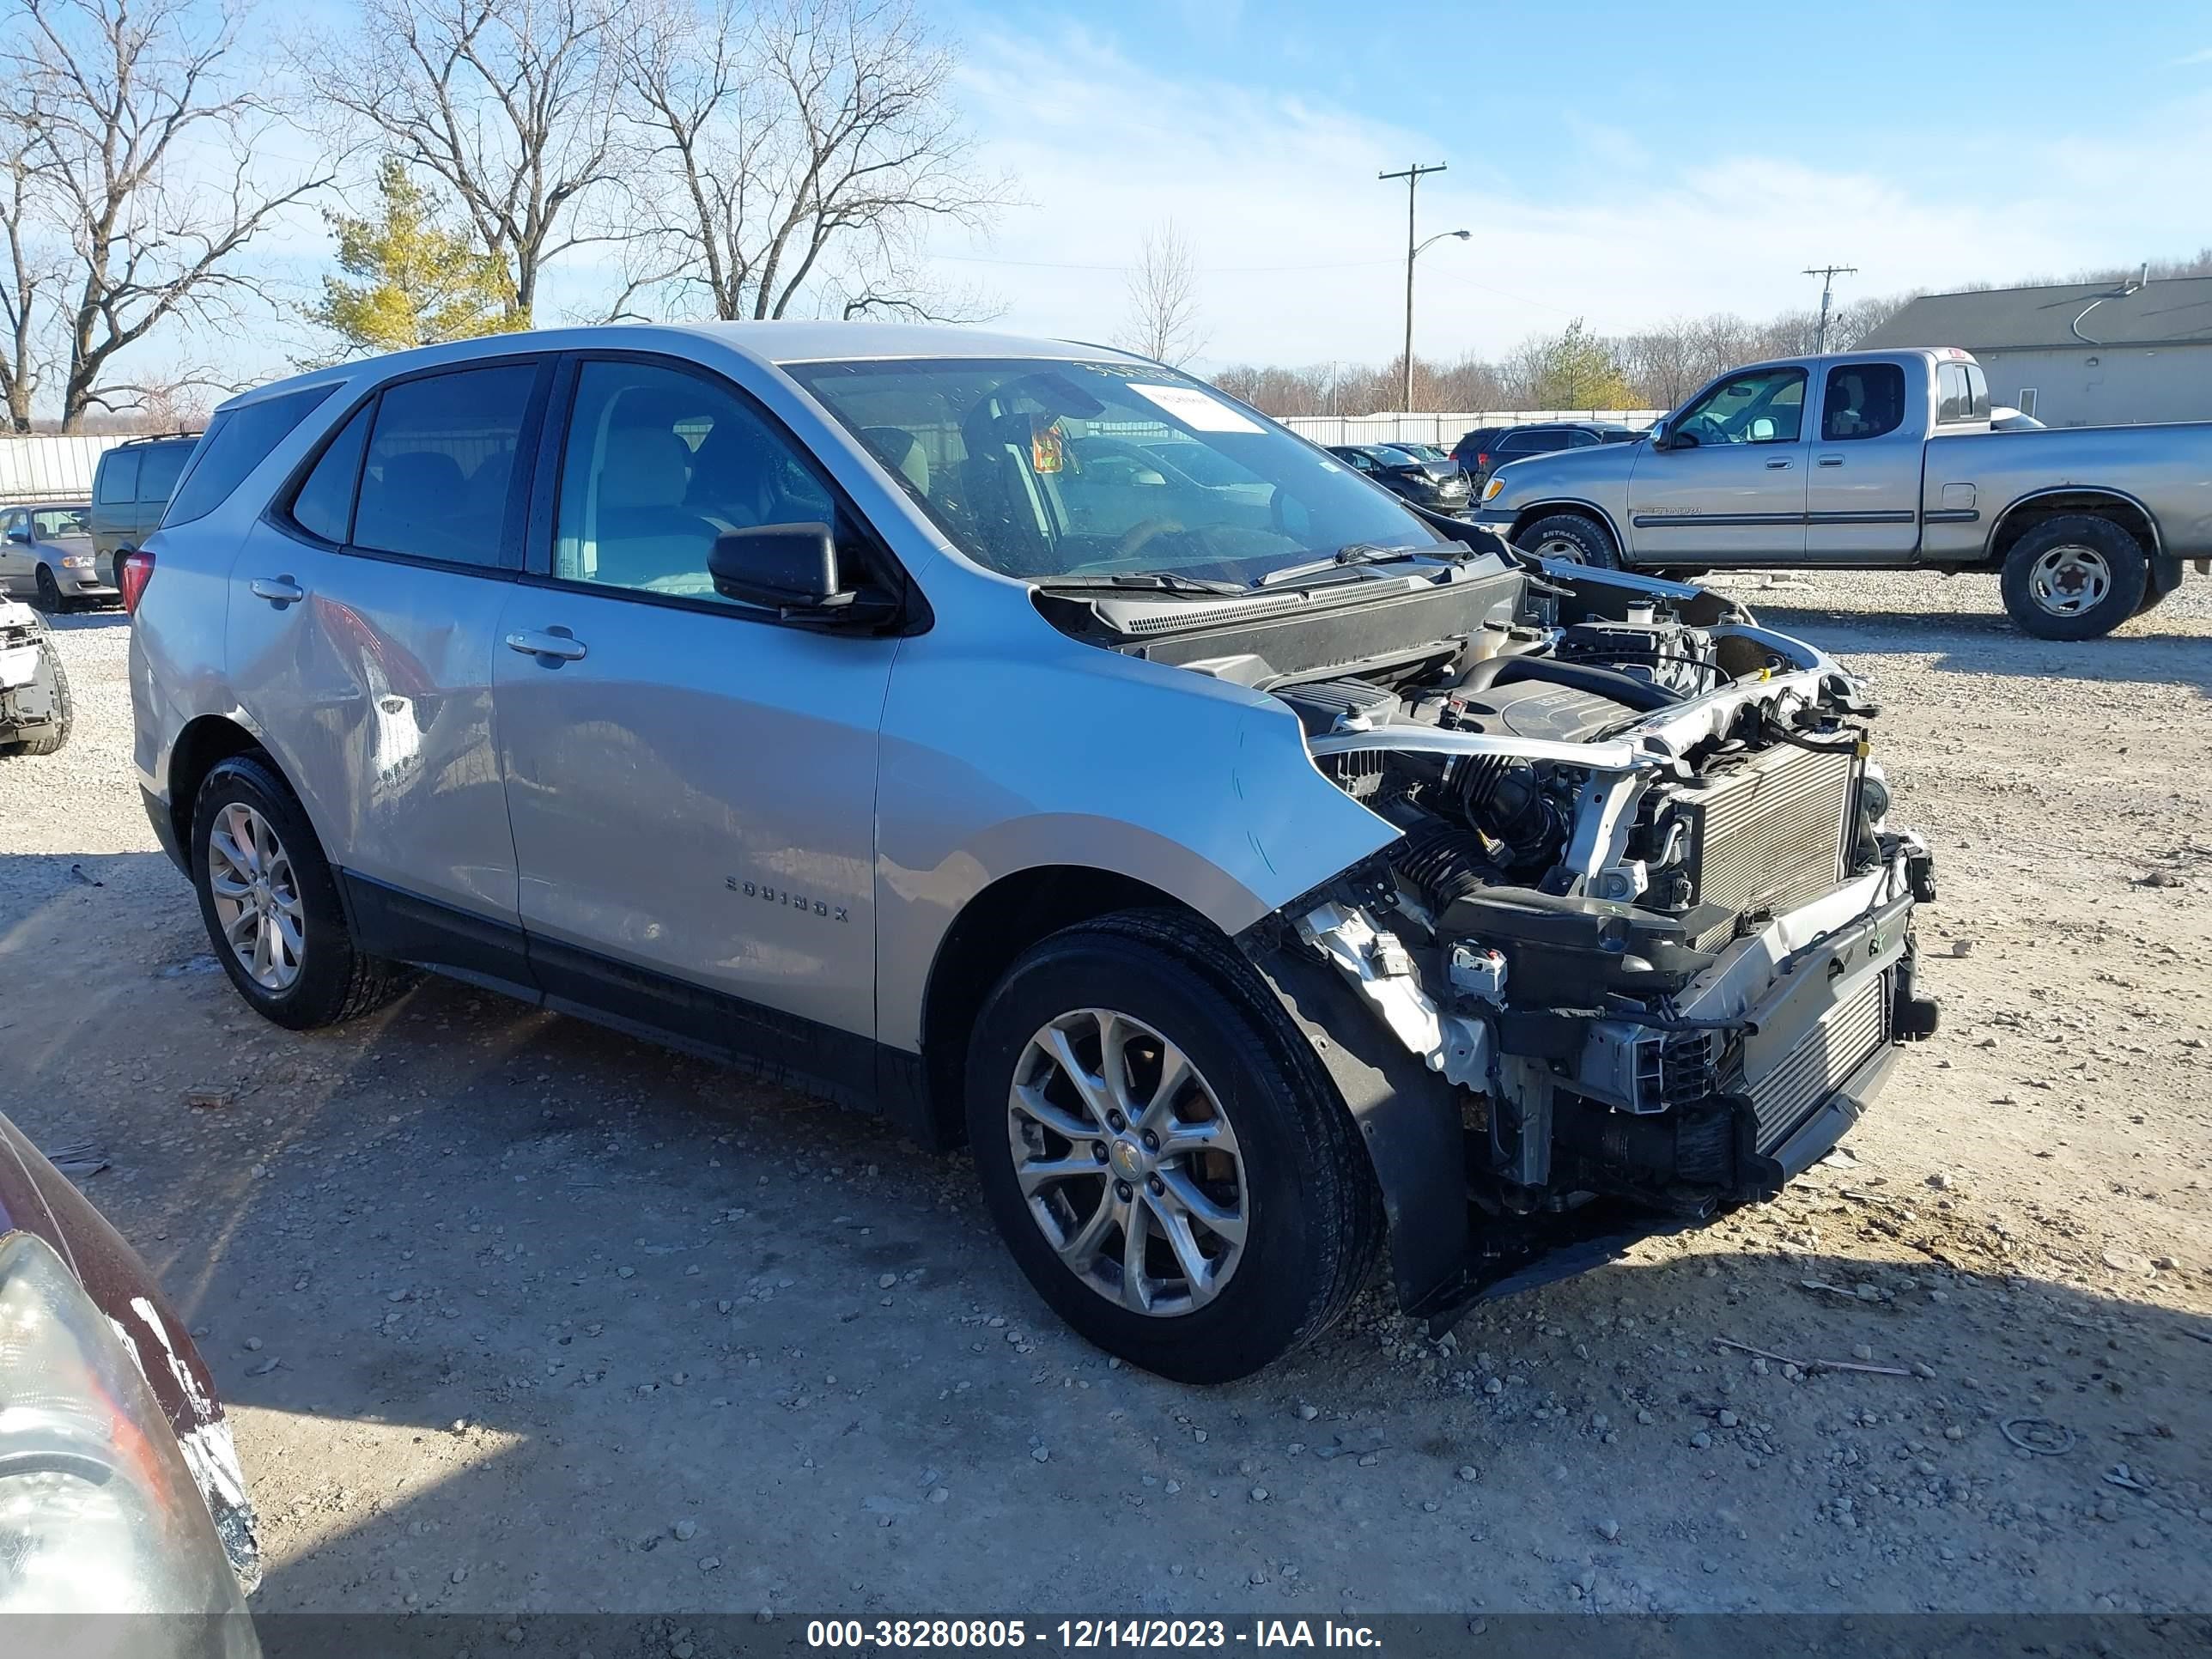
<point x="1877" y="459"/>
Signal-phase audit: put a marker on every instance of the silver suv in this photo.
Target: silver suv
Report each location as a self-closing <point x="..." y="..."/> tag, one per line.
<point x="1267" y="878"/>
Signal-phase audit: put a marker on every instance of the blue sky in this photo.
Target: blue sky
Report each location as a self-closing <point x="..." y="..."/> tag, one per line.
<point x="1624" y="163"/>
<point x="1621" y="163"/>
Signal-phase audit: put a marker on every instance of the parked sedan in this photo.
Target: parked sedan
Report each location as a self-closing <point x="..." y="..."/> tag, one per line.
<point x="1440" y="486"/>
<point x="118" y="1485"/>
<point x="45" y="555"/>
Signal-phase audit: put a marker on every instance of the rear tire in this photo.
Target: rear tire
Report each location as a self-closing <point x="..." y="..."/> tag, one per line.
<point x="2075" y="577"/>
<point x="46" y="739"/>
<point x="290" y="926"/>
<point x="1256" y="1131"/>
<point x="1572" y="537"/>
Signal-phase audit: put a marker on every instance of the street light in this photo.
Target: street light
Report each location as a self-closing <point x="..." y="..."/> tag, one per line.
<point x="1413" y="253"/>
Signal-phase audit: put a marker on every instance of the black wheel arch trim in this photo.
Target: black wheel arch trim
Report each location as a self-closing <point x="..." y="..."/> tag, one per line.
<point x="1524" y="515"/>
<point x="2156" y="549"/>
<point x="1408" y="1119"/>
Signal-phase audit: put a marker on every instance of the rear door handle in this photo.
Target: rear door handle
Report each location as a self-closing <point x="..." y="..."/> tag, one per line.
<point x="555" y="642"/>
<point x="1832" y="460"/>
<point x="280" y="591"/>
<point x="1777" y="466"/>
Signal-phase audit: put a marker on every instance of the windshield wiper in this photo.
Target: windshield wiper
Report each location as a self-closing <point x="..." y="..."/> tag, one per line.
<point x="1165" y="580"/>
<point x="1350" y="553"/>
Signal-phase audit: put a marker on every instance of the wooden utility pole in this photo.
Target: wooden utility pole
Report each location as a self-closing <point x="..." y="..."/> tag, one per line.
<point x="1412" y="176"/>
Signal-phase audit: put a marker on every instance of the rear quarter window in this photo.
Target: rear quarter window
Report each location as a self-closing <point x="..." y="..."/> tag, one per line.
<point x="237" y="441"/>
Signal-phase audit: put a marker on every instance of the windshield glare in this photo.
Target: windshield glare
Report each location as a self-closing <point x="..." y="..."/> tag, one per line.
<point x="1056" y="470"/>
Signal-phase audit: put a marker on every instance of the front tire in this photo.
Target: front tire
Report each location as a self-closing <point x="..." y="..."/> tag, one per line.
<point x="49" y="595"/>
<point x="2075" y="577"/>
<point x="1571" y="536"/>
<point x="46" y="739"/>
<point x="1164" y="1156"/>
<point x="271" y="906"/>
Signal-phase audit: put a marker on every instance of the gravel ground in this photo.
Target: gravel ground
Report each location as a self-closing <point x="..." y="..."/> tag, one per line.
<point x="516" y="1315"/>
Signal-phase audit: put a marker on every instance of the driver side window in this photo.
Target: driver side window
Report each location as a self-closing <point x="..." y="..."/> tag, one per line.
<point x="1765" y="407"/>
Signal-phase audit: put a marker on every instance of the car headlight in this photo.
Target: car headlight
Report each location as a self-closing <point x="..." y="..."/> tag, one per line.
<point x="77" y="561"/>
<point x="1492" y="490"/>
<point x="98" y="1512"/>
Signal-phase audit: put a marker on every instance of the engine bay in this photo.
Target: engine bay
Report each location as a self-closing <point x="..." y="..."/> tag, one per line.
<point x="1628" y="819"/>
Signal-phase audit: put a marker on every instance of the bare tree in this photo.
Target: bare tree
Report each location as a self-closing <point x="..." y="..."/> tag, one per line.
<point x="510" y="102"/>
<point x="1162" y="321"/>
<point x="31" y="277"/>
<point x="797" y="153"/>
<point x="146" y="124"/>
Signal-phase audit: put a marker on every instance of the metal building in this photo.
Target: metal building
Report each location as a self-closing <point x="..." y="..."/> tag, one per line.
<point x="2078" y="354"/>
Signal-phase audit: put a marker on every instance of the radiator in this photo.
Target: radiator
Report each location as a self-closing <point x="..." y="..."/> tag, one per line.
<point x="1769" y="835"/>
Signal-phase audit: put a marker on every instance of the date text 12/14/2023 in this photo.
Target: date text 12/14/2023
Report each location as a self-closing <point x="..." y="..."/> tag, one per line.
<point x="1076" y="1635"/>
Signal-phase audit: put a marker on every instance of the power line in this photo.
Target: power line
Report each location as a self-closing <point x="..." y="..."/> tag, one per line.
<point x="1827" y="274"/>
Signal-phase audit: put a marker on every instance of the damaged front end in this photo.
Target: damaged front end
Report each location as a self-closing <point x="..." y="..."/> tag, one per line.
<point x="1642" y="949"/>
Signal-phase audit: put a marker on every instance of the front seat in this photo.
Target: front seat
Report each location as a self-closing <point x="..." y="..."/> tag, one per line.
<point x="646" y="534"/>
<point x="901" y="451"/>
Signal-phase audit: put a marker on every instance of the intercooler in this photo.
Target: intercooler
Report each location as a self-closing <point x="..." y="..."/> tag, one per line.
<point x="1769" y="835"/>
<point x="1842" y="1041"/>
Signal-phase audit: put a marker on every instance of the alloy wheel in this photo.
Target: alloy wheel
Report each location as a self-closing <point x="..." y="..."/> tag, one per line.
<point x="2070" y="579"/>
<point x="257" y="897"/>
<point x="1127" y="1162"/>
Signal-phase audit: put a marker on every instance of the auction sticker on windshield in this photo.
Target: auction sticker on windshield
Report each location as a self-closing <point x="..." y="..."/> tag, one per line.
<point x="1195" y="409"/>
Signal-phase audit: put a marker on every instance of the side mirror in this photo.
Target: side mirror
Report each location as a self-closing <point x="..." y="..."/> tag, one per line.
<point x="22" y="536"/>
<point x="792" y="569"/>
<point x="1762" y="430"/>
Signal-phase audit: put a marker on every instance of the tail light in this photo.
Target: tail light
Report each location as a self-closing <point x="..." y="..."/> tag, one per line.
<point x="133" y="570"/>
<point x="1482" y="458"/>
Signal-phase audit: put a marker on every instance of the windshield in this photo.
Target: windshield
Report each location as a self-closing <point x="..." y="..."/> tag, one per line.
<point x="48" y="522"/>
<point x="1056" y="470"/>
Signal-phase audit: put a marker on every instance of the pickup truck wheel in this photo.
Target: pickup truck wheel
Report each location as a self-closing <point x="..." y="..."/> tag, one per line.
<point x="1169" y="1168"/>
<point x="2075" y="577"/>
<point x="271" y="906"/>
<point x="1571" y="536"/>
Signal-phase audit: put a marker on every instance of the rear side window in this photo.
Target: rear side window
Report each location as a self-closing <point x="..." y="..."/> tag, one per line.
<point x="324" y="504"/>
<point x="1864" y="400"/>
<point x="1534" y="443"/>
<point x="441" y="464"/>
<point x="1977" y="393"/>
<point x="119" y="478"/>
<point x="158" y="470"/>
<point x="1954" y="399"/>
<point x="237" y="441"/>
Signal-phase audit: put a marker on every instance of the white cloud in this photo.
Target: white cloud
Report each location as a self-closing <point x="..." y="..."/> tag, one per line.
<point x="1103" y="147"/>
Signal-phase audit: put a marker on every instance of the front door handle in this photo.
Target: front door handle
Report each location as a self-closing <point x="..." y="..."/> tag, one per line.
<point x="1778" y="466"/>
<point x="1832" y="460"/>
<point x="556" y="642"/>
<point x="278" y="590"/>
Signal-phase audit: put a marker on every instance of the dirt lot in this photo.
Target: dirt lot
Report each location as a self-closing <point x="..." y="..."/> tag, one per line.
<point x="516" y="1315"/>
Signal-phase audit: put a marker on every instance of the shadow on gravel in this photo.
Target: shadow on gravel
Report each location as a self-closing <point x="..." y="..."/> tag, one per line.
<point x="523" y="1293"/>
<point x="86" y="621"/>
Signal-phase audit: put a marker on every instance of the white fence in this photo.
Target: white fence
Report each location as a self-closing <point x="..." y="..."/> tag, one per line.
<point x="46" y="464"/>
<point x="1445" y="430"/>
